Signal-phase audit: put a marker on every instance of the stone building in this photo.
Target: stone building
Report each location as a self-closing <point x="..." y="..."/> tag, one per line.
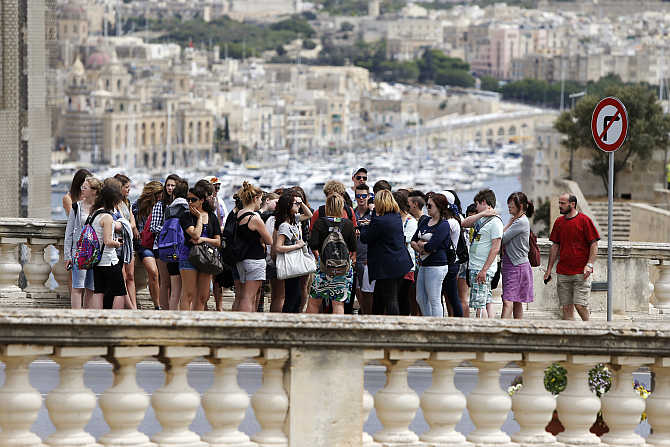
<point x="24" y="118"/>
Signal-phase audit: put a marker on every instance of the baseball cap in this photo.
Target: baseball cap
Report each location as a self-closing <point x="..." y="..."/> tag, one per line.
<point x="212" y="179"/>
<point x="356" y="171"/>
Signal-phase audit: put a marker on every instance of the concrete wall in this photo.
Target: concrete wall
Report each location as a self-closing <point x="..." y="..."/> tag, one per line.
<point x="649" y="224"/>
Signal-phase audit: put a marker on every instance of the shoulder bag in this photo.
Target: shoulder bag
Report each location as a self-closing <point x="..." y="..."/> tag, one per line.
<point x="295" y="263"/>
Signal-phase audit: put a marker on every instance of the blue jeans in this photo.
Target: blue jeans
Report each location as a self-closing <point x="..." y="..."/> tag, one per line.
<point x="450" y="290"/>
<point x="429" y="290"/>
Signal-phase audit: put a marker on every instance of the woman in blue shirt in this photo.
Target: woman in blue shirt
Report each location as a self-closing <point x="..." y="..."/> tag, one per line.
<point x="431" y="242"/>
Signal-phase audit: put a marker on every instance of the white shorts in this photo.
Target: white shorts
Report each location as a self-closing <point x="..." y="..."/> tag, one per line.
<point x="251" y="270"/>
<point x="363" y="280"/>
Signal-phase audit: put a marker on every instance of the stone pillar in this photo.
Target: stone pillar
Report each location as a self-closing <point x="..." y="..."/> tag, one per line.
<point x="442" y="404"/>
<point x="71" y="404"/>
<point x="125" y="404"/>
<point x="397" y="403"/>
<point x="19" y="401"/>
<point x="61" y="275"/>
<point x="533" y="405"/>
<point x="37" y="269"/>
<point x="488" y="404"/>
<point x="271" y="402"/>
<point x="577" y="406"/>
<point x="658" y="405"/>
<point x="176" y="403"/>
<point x="662" y="287"/>
<point x="10" y="269"/>
<point x="622" y="407"/>
<point x="225" y="403"/>
<point x="368" y="401"/>
<point x="314" y="382"/>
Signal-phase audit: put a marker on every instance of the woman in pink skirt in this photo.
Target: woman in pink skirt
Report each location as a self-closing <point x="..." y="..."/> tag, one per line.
<point x="517" y="276"/>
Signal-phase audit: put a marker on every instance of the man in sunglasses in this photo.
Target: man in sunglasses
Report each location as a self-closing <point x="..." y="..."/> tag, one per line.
<point x="359" y="177"/>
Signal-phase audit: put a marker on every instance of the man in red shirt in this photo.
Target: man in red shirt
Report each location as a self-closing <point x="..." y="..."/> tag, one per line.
<point x="575" y="244"/>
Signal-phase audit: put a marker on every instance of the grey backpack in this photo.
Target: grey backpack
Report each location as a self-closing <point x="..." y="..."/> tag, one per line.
<point x="334" y="255"/>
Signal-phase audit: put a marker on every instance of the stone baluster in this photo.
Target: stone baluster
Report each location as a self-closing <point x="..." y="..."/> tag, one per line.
<point x="61" y="275"/>
<point x="368" y="401"/>
<point x="662" y="287"/>
<point x="125" y="403"/>
<point x="71" y="404"/>
<point x="19" y="401"/>
<point x="442" y="404"/>
<point x="577" y="406"/>
<point x="37" y="268"/>
<point x="622" y="407"/>
<point x="10" y="269"/>
<point x="658" y="405"/>
<point x="397" y="403"/>
<point x="270" y="403"/>
<point x="176" y="403"/>
<point x="488" y="404"/>
<point x="533" y="405"/>
<point x="225" y="403"/>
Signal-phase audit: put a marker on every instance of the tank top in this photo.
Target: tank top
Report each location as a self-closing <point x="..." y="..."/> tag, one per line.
<point x="109" y="256"/>
<point x="251" y="239"/>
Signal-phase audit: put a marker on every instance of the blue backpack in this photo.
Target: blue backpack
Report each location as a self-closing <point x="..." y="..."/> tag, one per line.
<point x="171" y="240"/>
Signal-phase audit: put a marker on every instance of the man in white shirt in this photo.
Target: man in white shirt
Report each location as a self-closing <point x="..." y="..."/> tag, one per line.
<point x="359" y="177"/>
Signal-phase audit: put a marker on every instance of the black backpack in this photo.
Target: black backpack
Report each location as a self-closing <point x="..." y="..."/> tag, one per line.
<point x="334" y="257"/>
<point x="233" y="249"/>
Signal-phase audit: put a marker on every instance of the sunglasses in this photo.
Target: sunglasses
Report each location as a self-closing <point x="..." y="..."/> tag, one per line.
<point x="365" y="196"/>
<point x="297" y="203"/>
<point x="217" y="187"/>
<point x="429" y="206"/>
<point x="192" y="199"/>
<point x="360" y="177"/>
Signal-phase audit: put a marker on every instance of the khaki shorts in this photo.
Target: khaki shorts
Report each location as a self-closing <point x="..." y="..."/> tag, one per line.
<point x="574" y="289"/>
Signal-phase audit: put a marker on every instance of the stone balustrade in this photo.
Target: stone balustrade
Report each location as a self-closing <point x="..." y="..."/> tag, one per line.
<point x="312" y="392"/>
<point x="641" y="274"/>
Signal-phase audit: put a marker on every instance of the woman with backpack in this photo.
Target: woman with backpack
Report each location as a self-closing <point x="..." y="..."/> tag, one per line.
<point x="333" y="242"/>
<point x="388" y="258"/>
<point x="178" y="208"/>
<point x="431" y="242"/>
<point x="124" y="210"/>
<point x="108" y="272"/>
<point x="74" y="194"/>
<point x="152" y="193"/>
<point x="157" y="219"/>
<point x="517" y="275"/>
<point x="82" y="280"/>
<point x="250" y="236"/>
<point x="200" y="226"/>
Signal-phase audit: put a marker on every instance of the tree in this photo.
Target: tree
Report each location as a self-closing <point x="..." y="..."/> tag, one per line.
<point x="489" y="83"/>
<point x="308" y="44"/>
<point x="647" y="128"/>
<point x="280" y="50"/>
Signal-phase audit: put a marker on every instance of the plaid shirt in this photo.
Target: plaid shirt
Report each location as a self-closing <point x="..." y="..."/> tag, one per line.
<point x="157" y="215"/>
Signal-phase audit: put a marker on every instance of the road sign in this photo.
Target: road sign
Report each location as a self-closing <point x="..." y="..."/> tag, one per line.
<point x="609" y="124"/>
<point x="609" y="127"/>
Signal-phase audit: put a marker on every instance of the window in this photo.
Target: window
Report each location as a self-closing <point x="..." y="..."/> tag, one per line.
<point x="199" y="134"/>
<point x="144" y="134"/>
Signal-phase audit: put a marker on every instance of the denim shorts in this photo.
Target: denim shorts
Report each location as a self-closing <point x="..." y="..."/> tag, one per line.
<point x="185" y="265"/>
<point x="462" y="270"/>
<point x="144" y="253"/>
<point x="82" y="279"/>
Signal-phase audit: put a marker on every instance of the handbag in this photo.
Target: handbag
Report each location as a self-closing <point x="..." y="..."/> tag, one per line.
<point x="295" y="263"/>
<point x="205" y="258"/>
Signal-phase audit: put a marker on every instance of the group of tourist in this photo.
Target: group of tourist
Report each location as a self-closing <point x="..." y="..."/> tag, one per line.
<point x="401" y="252"/>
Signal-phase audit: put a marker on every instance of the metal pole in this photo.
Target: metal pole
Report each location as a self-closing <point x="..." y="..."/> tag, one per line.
<point x="610" y="200"/>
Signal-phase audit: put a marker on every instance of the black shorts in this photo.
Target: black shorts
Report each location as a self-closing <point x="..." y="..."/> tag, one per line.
<point x="109" y="280"/>
<point x="173" y="268"/>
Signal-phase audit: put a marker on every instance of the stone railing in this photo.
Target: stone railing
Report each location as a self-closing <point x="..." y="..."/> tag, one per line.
<point x="312" y="392"/>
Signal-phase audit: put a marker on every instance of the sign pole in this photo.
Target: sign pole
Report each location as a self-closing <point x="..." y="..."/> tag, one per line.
<point x="610" y="218"/>
<point x="609" y="127"/>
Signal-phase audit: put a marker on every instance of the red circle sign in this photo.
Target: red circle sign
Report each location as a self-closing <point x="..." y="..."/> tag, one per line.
<point x="609" y="124"/>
